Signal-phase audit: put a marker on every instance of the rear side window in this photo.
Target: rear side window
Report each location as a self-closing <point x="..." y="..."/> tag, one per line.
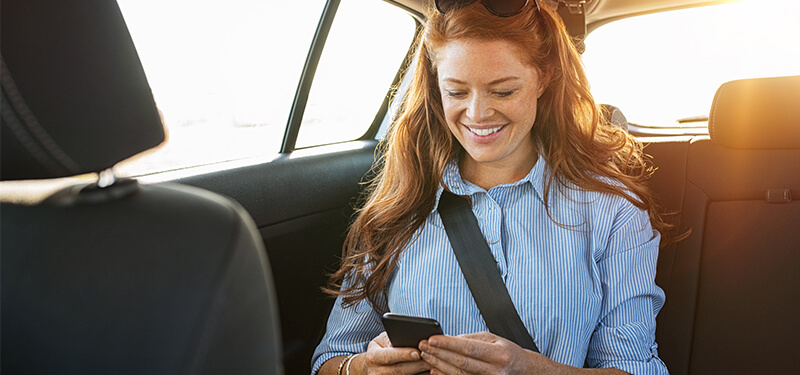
<point x="662" y="70"/>
<point x="224" y="74"/>
<point x="365" y="49"/>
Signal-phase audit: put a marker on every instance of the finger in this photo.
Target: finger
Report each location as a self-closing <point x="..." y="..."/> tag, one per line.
<point x="391" y="356"/>
<point x="383" y="340"/>
<point x="488" y="350"/>
<point x="415" y="367"/>
<point x="462" y="345"/>
<point x="408" y="367"/>
<point x="483" y="336"/>
<point x="449" y="362"/>
<point x="380" y="355"/>
<point x="500" y="350"/>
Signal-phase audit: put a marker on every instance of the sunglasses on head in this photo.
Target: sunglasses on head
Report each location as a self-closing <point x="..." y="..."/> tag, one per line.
<point x="500" y="8"/>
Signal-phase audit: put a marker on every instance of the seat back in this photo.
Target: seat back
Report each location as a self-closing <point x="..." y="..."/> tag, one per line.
<point x="113" y="276"/>
<point x="732" y="285"/>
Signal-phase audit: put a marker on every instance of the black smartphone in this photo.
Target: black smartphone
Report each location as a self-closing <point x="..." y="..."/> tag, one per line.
<point x="407" y="331"/>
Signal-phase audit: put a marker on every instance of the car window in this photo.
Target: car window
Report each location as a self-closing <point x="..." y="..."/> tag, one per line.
<point x="223" y="77"/>
<point x="363" y="53"/>
<point x="666" y="67"/>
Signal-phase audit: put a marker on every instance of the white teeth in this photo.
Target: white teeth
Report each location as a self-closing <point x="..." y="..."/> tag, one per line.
<point x="484" y="132"/>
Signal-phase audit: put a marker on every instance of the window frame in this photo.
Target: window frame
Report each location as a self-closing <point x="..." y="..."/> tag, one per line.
<point x="308" y="73"/>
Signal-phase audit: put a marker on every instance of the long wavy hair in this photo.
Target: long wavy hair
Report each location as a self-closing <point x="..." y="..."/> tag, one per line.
<point x="569" y="132"/>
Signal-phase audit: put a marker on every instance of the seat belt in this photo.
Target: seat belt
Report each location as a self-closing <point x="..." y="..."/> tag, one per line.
<point x="480" y="270"/>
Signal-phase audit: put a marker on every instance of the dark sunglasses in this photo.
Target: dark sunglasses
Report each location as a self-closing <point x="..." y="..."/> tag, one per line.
<point x="500" y="8"/>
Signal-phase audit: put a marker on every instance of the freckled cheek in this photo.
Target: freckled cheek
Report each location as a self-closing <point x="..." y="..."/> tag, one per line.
<point x="453" y="127"/>
<point x="452" y="113"/>
<point x="517" y="113"/>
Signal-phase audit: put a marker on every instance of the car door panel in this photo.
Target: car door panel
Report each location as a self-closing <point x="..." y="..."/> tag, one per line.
<point x="302" y="205"/>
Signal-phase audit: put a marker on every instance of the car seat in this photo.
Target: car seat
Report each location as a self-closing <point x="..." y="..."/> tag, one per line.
<point x="732" y="285"/>
<point x="113" y="276"/>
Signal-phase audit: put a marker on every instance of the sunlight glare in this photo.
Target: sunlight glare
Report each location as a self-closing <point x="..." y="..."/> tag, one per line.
<point x="662" y="67"/>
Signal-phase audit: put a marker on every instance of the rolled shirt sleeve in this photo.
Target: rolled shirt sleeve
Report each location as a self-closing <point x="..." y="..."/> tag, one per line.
<point x="625" y="336"/>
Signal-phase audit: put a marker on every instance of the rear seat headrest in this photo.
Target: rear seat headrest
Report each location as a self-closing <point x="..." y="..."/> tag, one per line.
<point x="75" y="98"/>
<point x="761" y="113"/>
<point x="614" y="116"/>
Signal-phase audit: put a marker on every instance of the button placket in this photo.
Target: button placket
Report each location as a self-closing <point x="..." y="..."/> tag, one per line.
<point x="490" y="218"/>
<point x="494" y="221"/>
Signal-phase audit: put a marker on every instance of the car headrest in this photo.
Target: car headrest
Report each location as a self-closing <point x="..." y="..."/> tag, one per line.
<point x="75" y="98"/>
<point x="614" y="116"/>
<point x="761" y="113"/>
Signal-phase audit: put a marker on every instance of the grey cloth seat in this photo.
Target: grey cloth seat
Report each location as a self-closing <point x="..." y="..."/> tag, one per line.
<point x="114" y="277"/>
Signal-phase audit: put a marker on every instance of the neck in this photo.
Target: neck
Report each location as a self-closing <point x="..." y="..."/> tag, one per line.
<point x="490" y="174"/>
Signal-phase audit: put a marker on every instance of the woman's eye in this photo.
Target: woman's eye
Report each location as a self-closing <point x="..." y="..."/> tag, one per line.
<point x="455" y="94"/>
<point x="504" y="94"/>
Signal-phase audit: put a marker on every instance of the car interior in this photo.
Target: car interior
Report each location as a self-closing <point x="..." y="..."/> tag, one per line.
<point x="219" y="269"/>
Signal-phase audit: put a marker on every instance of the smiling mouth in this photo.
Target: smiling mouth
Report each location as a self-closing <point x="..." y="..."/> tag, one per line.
<point x="485" y="131"/>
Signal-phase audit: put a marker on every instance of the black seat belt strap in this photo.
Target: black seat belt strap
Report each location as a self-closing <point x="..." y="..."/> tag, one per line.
<point x="480" y="270"/>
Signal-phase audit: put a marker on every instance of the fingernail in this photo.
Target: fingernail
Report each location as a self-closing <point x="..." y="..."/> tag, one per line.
<point x="424" y="347"/>
<point x="433" y="342"/>
<point x="426" y="356"/>
<point x="415" y="356"/>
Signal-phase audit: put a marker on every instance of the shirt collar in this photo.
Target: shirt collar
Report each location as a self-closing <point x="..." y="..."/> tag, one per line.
<point x="455" y="183"/>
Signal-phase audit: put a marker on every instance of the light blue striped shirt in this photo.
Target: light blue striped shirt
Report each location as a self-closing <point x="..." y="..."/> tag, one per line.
<point x="586" y="294"/>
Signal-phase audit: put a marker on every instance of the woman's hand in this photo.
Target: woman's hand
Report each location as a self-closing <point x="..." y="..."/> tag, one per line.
<point x="382" y="358"/>
<point x="486" y="353"/>
<point x="483" y="353"/>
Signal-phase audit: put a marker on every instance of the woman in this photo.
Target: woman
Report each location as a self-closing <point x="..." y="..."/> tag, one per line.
<point x="499" y="111"/>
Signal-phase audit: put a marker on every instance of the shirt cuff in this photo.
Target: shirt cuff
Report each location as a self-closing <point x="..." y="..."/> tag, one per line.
<point x="654" y="366"/>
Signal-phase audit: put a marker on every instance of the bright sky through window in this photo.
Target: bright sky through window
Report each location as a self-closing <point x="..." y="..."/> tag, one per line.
<point x="662" y="67"/>
<point x="224" y="75"/>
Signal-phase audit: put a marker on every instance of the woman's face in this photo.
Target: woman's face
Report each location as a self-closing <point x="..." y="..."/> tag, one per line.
<point x="489" y="95"/>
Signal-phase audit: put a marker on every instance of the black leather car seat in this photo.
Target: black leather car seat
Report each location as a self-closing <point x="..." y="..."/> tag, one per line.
<point x="732" y="286"/>
<point x="114" y="277"/>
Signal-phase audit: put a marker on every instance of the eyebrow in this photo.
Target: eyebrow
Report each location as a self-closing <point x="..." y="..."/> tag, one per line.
<point x="495" y="82"/>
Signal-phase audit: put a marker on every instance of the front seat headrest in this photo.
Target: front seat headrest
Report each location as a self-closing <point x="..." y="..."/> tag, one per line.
<point x="761" y="113"/>
<point x="75" y="98"/>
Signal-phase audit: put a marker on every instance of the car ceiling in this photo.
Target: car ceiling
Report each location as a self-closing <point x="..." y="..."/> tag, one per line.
<point x="599" y="12"/>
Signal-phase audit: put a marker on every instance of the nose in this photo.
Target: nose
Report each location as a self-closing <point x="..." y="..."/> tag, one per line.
<point x="479" y="108"/>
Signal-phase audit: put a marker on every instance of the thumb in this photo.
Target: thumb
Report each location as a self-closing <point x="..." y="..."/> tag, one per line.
<point x="382" y="340"/>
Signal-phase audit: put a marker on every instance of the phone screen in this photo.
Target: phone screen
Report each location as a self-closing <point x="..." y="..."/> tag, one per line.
<point x="407" y="331"/>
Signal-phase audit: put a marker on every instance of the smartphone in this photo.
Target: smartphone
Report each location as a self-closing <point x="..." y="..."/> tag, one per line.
<point x="407" y="331"/>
